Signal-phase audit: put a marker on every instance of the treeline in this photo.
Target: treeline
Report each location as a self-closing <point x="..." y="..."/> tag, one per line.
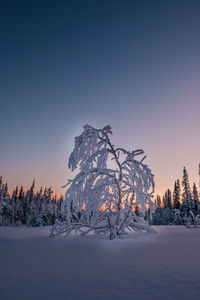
<point x="182" y="207"/>
<point x="40" y="208"/>
<point x="29" y="207"/>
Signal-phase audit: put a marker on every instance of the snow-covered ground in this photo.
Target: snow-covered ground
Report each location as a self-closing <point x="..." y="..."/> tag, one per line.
<point x="160" y="266"/>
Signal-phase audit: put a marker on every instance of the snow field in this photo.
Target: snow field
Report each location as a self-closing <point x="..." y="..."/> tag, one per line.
<point x="165" y="265"/>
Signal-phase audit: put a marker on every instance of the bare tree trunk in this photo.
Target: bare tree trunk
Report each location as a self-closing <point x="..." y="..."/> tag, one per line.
<point x="113" y="232"/>
<point x="118" y="205"/>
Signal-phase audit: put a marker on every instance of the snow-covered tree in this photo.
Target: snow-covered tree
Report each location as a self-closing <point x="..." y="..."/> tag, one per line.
<point x="29" y="205"/>
<point x="30" y="208"/>
<point x="110" y="183"/>
<point x="158" y="201"/>
<point x="19" y="211"/>
<point x="177" y="217"/>
<point x="187" y="196"/>
<point x="168" y="199"/>
<point x="167" y="216"/>
<point x="176" y="195"/>
<point x="6" y="210"/>
<point x="195" y="199"/>
<point x="157" y="218"/>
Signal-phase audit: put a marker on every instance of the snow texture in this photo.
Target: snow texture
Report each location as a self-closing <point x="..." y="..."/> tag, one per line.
<point x="165" y="265"/>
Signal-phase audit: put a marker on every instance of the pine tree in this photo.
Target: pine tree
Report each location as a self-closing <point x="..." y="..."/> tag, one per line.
<point x="5" y="190"/>
<point x="19" y="214"/>
<point x="158" y="201"/>
<point x="176" y="195"/>
<point x="195" y="199"/>
<point x="168" y="199"/>
<point x="39" y="200"/>
<point x="21" y="193"/>
<point x="13" y="203"/>
<point x="1" y="183"/>
<point x="186" y="196"/>
<point x="31" y="193"/>
<point x="157" y="216"/>
<point x="6" y="212"/>
<point x="28" y="204"/>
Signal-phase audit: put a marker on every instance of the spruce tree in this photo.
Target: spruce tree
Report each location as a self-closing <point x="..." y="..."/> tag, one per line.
<point x="176" y="195"/>
<point x="168" y="199"/>
<point x="39" y="200"/>
<point x="28" y="204"/>
<point x="186" y="196"/>
<point x="1" y="183"/>
<point x="13" y="203"/>
<point x="5" y="190"/>
<point x="19" y="214"/>
<point x="195" y="199"/>
<point x="158" y="201"/>
<point x="21" y="193"/>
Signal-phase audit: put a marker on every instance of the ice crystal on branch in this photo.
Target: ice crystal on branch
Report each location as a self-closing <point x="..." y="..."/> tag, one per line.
<point x="110" y="183"/>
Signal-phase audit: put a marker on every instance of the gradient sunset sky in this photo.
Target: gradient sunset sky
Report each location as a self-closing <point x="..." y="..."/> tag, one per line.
<point x="132" y="64"/>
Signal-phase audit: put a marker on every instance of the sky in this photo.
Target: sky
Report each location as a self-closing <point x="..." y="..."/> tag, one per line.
<point x="132" y="64"/>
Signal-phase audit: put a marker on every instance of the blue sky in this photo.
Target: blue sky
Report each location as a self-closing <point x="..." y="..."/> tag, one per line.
<point x="131" y="64"/>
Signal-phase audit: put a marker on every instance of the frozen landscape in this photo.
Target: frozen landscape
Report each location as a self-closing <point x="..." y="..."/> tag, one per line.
<point x="99" y="153"/>
<point x="164" y="265"/>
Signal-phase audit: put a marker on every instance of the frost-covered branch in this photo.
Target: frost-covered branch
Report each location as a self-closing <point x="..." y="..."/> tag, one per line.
<point x="100" y="194"/>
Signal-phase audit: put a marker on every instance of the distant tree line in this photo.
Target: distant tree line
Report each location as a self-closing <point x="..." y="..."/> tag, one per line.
<point x="180" y="207"/>
<point x="40" y="208"/>
<point x="29" y="207"/>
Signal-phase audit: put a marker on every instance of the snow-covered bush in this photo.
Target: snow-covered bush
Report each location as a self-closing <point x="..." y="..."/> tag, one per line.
<point x="110" y="183"/>
<point x="193" y="220"/>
